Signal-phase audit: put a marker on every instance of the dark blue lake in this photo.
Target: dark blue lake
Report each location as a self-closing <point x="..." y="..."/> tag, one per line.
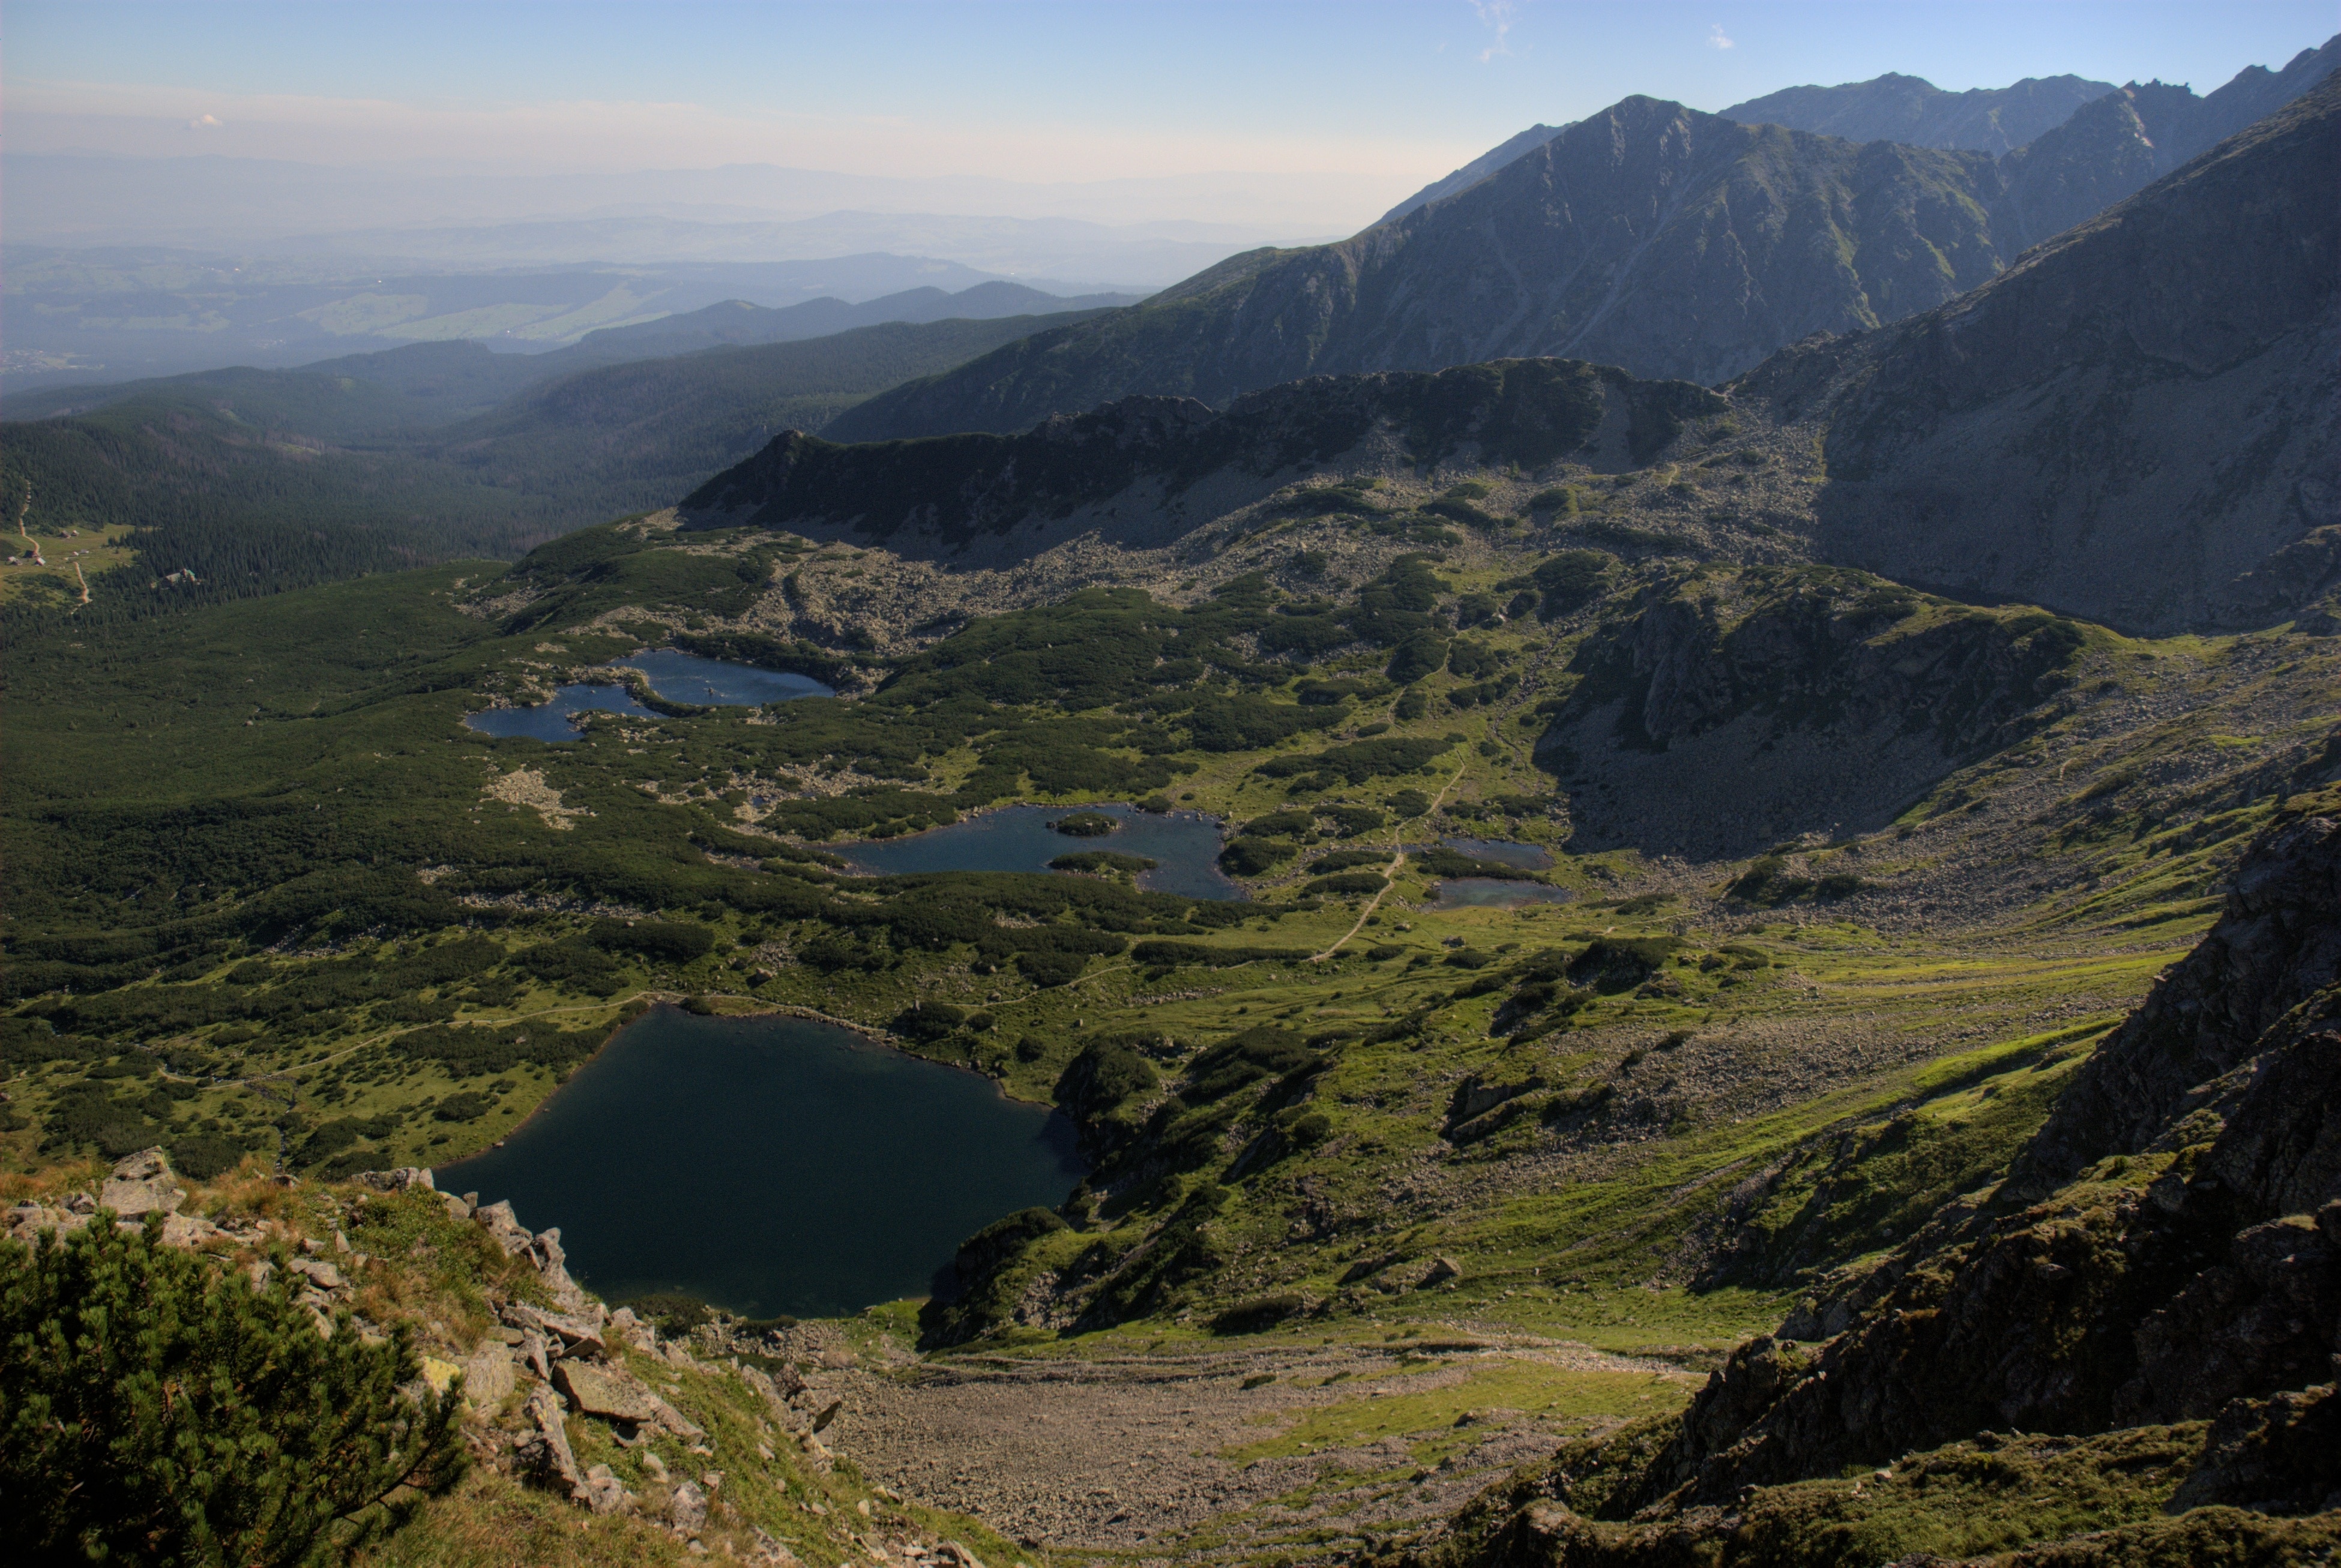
<point x="553" y="721"/>
<point x="1489" y="892"/>
<point x="1504" y="852"/>
<point x="717" y="683"/>
<point x="1184" y="847"/>
<point x="770" y="1164"/>
<point x="677" y="677"/>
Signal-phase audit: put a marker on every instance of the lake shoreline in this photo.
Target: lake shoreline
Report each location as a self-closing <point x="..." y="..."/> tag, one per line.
<point x="761" y="1008"/>
<point x="1223" y="888"/>
<point x="628" y="1151"/>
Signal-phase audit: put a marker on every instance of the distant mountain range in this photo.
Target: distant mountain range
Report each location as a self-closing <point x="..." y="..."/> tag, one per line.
<point x="75" y="317"/>
<point x="1142" y="255"/>
<point x="2133" y="424"/>
<point x="2114" y="145"/>
<point x="1889" y="108"/>
<point x="741" y="324"/>
<point x="1671" y="242"/>
<point x="436" y="384"/>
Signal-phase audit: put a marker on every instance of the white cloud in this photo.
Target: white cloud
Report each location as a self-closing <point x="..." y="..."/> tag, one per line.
<point x="1497" y="14"/>
<point x="1717" y="38"/>
<point x="204" y="122"/>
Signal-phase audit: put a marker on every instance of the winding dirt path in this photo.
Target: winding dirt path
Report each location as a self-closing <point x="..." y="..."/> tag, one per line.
<point x="1390" y="873"/>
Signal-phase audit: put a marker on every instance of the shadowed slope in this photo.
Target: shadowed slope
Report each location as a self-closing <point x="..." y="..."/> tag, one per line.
<point x="2135" y="424"/>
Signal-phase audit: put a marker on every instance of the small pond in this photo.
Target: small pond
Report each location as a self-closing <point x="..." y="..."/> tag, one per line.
<point x="770" y="1164"/>
<point x="1184" y="847"/>
<point x="677" y="677"/>
<point x="1526" y="856"/>
<point x="554" y="720"/>
<point x="1489" y="892"/>
<point x="681" y="677"/>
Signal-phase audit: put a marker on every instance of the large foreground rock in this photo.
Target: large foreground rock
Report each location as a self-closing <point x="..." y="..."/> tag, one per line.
<point x="607" y="1392"/>
<point x="141" y="1185"/>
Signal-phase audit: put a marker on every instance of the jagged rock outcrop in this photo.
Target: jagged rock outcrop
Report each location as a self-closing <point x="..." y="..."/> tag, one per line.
<point x="1146" y="469"/>
<point x="141" y="1185"/>
<point x="2277" y="942"/>
<point x="2135" y="424"/>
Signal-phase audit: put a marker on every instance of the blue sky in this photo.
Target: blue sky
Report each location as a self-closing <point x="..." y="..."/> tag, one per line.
<point x="1027" y="90"/>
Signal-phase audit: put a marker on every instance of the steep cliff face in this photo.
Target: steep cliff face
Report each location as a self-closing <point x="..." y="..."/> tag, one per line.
<point x="2277" y="942"/>
<point x="2135" y="424"/>
<point x="1149" y="468"/>
<point x="2192" y="1272"/>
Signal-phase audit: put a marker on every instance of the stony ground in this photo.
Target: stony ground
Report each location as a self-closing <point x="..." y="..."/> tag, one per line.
<point x="1194" y="1450"/>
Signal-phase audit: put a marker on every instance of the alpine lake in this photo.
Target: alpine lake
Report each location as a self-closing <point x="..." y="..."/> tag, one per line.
<point x="770" y="1165"/>
<point x="676" y="676"/>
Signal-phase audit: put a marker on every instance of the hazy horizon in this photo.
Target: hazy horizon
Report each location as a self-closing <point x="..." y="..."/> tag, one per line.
<point x="1078" y="149"/>
<point x="1300" y="118"/>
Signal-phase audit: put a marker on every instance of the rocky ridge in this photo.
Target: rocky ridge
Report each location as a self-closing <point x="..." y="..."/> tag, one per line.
<point x="1915" y="112"/>
<point x="1146" y="471"/>
<point x="2188" y="1272"/>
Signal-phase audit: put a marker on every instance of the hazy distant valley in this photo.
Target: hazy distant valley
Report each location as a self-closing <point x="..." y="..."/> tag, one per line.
<point x="1717" y="938"/>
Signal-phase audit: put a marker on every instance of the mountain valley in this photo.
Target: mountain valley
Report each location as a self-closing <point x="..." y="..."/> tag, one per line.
<point x="1768" y="989"/>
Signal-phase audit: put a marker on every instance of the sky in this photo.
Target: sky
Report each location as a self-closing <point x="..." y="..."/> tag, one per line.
<point x="1360" y="101"/>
